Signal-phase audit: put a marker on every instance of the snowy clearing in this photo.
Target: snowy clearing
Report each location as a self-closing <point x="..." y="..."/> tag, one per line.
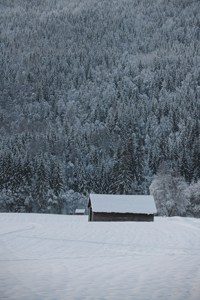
<point x="66" y="257"/>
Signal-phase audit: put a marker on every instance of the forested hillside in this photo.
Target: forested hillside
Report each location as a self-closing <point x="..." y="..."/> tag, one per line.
<point x="95" y="96"/>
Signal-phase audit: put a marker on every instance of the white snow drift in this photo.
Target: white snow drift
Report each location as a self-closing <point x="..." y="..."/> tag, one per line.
<point x="66" y="257"/>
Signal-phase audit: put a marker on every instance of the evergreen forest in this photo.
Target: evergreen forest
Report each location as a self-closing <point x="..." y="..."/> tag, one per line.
<point x="99" y="96"/>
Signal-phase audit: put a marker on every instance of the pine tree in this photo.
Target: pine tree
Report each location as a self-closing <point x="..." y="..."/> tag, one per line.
<point x="139" y="166"/>
<point x="184" y="167"/>
<point x="115" y="173"/>
<point x="124" y="179"/>
<point x="41" y="187"/>
<point x="58" y="180"/>
<point x="196" y="160"/>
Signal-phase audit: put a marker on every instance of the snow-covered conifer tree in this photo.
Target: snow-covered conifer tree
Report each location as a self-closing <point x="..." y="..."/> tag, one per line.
<point x="170" y="192"/>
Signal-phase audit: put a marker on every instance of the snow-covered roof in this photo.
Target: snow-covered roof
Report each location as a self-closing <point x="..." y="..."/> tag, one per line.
<point x="80" y="211"/>
<point x="138" y="204"/>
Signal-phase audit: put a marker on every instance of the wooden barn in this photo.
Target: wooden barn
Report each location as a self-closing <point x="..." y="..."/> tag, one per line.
<point x="80" y="211"/>
<point x="121" y="208"/>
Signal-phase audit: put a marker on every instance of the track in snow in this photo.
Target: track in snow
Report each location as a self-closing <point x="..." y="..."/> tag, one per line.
<point x="66" y="257"/>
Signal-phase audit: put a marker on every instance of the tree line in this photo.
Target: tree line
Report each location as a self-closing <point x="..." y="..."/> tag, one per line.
<point x="95" y="96"/>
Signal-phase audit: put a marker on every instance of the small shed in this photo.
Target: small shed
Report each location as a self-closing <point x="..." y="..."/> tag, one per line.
<point x="80" y="211"/>
<point x="121" y="208"/>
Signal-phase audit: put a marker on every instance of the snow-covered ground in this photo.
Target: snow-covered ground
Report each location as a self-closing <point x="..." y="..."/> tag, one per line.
<point x="66" y="257"/>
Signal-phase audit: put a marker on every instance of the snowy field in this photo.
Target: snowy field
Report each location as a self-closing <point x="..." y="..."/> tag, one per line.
<point x="65" y="257"/>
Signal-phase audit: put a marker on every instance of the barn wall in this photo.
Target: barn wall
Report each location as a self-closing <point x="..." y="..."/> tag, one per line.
<point x="122" y="217"/>
<point x="90" y="214"/>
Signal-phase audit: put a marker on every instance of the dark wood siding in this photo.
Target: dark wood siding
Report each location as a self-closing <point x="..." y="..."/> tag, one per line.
<point x="97" y="216"/>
